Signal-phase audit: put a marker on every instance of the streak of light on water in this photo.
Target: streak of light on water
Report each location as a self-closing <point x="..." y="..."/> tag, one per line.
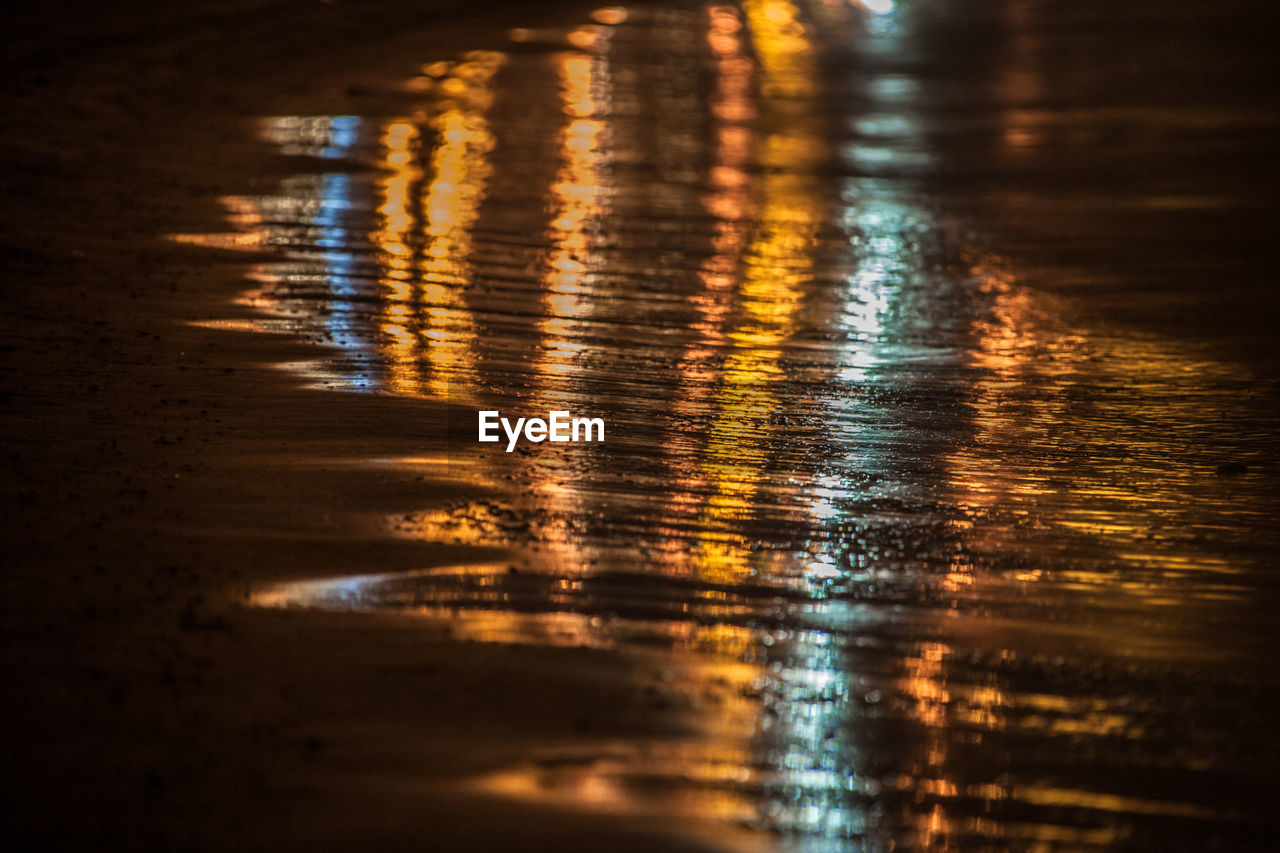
<point x="939" y="560"/>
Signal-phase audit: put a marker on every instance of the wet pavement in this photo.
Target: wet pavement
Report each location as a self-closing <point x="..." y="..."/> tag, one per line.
<point x="952" y="525"/>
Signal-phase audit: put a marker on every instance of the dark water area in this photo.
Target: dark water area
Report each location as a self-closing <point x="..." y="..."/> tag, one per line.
<point x="932" y="341"/>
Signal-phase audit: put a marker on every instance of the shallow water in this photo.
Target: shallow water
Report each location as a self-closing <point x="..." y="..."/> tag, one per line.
<point x="945" y="546"/>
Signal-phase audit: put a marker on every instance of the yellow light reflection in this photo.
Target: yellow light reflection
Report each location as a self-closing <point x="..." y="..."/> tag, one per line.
<point x="578" y="197"/>
<point x="731" y="204"/>
<point x="459" y="169"/>
<point x="785" y="53"/>
<point x="400" y="139"/>
<point x="777" y="264"/>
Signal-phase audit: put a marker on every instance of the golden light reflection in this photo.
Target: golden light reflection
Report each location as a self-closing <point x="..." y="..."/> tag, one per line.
<point x="1114" y="506"/>
<point x="400" y="140"/>
<point x="770" y="266"/>
<point x="925" y="685"/>
<point x="731" y="203"/>
<point x="459" y="169"/>
<point x="1021" y="84"/>
<point x="245" y="216"/>
<point x="611" y="15"/>
<point x="785" y="52"/>
<point x="1124" y="494"/>
<point x="776" y="265"/>
<point x="577" y="201"/>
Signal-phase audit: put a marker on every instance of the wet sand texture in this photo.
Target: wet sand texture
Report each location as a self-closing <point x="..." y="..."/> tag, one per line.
<point x="937" y="508"/>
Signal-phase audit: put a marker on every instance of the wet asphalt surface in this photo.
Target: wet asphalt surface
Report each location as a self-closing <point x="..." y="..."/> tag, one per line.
<point x="933" y="349"/>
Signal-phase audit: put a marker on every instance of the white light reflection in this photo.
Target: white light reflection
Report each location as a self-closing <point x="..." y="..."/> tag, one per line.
<point x="328" y="137"/>
<point x="821" y="794"/>
<point x="811" y="790"/>
<point x="314" y="212"/>
<point x="818" y="794"/>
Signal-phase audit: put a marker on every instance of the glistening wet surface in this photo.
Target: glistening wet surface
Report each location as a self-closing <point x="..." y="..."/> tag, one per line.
<point x="939" y="555"/>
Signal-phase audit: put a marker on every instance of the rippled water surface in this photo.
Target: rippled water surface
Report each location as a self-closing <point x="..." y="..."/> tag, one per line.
<point x="940" y="557"/>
